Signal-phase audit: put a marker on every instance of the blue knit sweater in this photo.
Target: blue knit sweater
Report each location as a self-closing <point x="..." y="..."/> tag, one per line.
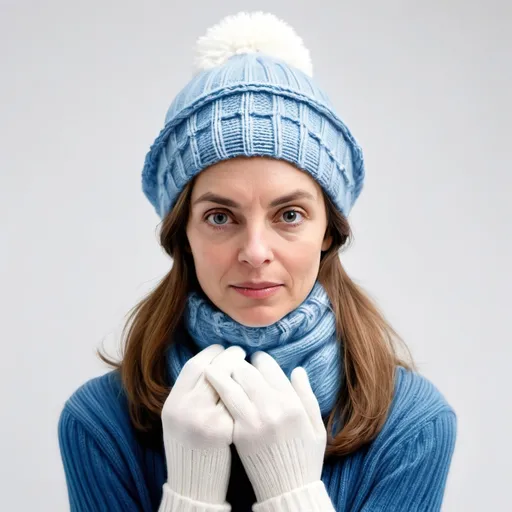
<point x="109" y="466"/>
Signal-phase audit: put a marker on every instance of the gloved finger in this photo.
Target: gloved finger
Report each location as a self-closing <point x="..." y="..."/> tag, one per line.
<point x="254" y="384"/>
<point x="228" y="359"/>
<point x="231" y="393"/>
<point x="300" y="382"/>
<point x="226" y="419"/>
<point x="203" y="394"/>
<point x="194" y="368"/>
<point x="271" y="371"/>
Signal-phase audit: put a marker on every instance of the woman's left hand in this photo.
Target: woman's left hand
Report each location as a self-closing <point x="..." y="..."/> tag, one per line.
<point x="278" y="429"/>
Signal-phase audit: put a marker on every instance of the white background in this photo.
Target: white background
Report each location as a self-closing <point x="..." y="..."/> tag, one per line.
<point x="425" y="89"/>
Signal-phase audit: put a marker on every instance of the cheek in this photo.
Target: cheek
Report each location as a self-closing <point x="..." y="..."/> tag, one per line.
<point x="304" y="254"/>
<point x="210" y="256"/>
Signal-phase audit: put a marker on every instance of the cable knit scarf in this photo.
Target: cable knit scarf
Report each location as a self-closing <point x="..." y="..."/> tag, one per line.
<point x="304" y="337"/>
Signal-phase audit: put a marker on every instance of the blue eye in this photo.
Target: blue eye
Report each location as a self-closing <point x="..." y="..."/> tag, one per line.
<point x="290" y="224"/>
<point x="292" y="211"/>
<point x="217" y="214"/>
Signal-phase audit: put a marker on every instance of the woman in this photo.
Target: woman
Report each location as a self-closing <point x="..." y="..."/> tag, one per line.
<point x="257" y="375"/>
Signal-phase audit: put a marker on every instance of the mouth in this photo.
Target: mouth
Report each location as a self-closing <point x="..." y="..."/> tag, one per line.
<point x="258" y="293"/>
<point x="256" y="286"/>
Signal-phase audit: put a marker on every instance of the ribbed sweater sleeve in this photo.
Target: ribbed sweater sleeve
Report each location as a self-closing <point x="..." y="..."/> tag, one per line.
<point x="414" y="476"/>
<point x="93" y="481"/>
<point x="98" y="481"/>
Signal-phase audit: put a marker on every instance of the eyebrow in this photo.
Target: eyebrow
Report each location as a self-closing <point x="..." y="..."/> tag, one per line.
<point x="210" y="197"/>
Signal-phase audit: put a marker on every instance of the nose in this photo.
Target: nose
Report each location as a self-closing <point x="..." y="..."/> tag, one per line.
<point x="255" y="247"/>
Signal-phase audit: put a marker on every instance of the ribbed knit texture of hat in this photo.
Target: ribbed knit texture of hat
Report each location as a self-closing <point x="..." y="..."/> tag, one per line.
<point x="253" y="104"/>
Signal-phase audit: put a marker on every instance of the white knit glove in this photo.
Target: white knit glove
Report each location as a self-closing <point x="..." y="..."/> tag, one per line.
<point x="197" y="432"/>
<point x="278" y="432"/>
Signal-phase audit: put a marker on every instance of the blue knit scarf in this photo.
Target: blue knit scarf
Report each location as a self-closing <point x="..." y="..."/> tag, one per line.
<point x="304" y="337"/>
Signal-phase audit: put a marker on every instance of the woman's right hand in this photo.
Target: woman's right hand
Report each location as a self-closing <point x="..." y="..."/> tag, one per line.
<point x="198" y="430"/>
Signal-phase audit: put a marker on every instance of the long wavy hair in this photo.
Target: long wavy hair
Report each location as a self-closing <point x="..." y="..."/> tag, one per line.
<point x="370" y="344"/>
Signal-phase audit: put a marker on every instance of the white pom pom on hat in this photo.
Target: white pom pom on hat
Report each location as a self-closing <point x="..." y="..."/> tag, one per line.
<point x="249" y="32"/>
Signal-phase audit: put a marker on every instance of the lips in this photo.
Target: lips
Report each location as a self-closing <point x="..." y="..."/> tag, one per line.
<point x="257" y="286"/>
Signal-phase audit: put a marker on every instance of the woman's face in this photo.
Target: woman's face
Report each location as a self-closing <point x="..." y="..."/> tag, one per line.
<point x="241" y="236"/>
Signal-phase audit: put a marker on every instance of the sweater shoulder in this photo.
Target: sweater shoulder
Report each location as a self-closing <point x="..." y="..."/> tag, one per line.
<point x="416" y="402"/>
<point x="416" y="390"/>
<point x="99" y="405"/>
<point x="419" y="412"/>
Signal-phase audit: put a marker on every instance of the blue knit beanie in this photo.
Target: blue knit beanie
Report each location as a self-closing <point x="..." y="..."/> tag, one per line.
<point x="253" y="94"/>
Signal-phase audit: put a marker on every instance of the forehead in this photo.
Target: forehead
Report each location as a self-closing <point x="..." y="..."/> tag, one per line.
<point x="247" y="176"/>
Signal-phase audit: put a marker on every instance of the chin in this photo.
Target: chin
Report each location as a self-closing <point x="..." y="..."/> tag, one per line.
<point x="257" y="317"/>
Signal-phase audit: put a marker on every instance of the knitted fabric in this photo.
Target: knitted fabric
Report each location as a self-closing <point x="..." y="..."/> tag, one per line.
<point x="304" y="337"/>
<point x="405" y="469"/>
<point x="254" y="104"/>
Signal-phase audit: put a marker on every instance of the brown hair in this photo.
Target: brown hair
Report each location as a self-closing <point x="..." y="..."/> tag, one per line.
<point x="370" y="356"/>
